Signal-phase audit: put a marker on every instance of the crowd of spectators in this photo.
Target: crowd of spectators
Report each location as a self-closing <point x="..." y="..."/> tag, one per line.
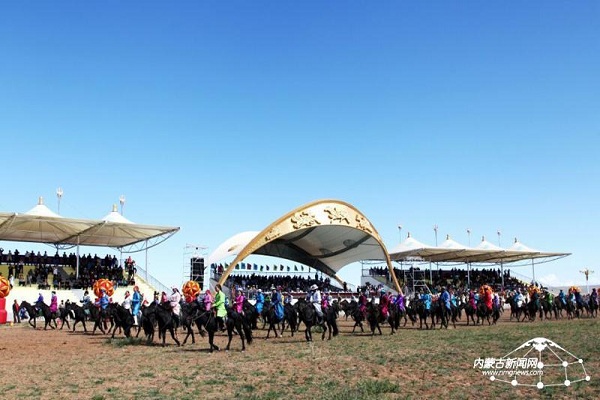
<point x="455" y="277"/>
<point x="288" y="283"/>
<point x="44" y="266"/>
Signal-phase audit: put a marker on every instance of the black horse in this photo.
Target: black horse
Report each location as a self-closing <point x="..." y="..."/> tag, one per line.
<point x="122" y="319"/>
<point x="242" y="325"/>
<point x="49" y="316"/>
<point x="77" y="313"/>
<point x="308" y="315"/>
<point x="166" y="322"/>
<point x="31" y="311"/>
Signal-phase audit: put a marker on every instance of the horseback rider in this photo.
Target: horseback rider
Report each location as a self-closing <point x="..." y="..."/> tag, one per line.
<point x="260" y="301"/>
<point x="594" y="297"/>
<point x="384" y="303"/>
<point x="362" y="304"/>
<point x="578" y="298"/>
<point x="136" y="303"/>
<point x="219" y="307"/>
<point x="277" y="301"/>
<point x="208" y="300"/>
<point x="288" y="298"/>
<point x="175" y="301"/>
<point x="399" y="301"/>
<point x="102" y="301"/>
<point x="314" y="297"/>
<point x="325" y="300"/>
<point x="238" y="304"/>
<point x="472" y="302"/>
<point x="127" y="301"/>
<point x="54" y="303"/>
<point x="445" y="299"/>
<point x="518" y="299"/>
<point x="549" y="298"/>
<point x="562" y="297"/>
<point x="426" y="298"/>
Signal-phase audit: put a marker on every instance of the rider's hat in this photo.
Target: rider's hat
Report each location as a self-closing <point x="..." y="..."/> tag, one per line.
<point x="314" y="287"/>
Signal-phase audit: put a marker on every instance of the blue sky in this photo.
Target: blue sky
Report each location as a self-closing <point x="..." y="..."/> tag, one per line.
<point x="219" y="117"/>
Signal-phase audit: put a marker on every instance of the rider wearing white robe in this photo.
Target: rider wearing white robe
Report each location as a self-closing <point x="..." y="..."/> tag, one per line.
<point x="314" y="297"/>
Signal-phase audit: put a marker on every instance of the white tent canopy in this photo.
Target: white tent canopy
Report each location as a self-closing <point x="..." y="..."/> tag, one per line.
<point x="41" y="225"/>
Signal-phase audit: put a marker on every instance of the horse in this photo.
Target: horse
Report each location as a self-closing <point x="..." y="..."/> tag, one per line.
<point x="166" y="322"/>
<point x="484" y="313"/>
<point x="516" y="311"/>
<point x="358" y="316"/>
<point x="189" y="311"/>
<point x="77" y="313"/>
<point x="148" y="321"/>
<point x="446" y="315"/>
<point x="122" y="319"/>
<point x="31" y="311"/>
<point x="593" y="306"/>
<point x="49" y="316"/>
<point x="470" y="312"/>
<point x="308" y="315"/>
<point x="63" y="315"/>
<point x="423" y="312"/>
<point x="290" y="315"/>
<point x="238" y="322"/>
<point x="374" y="317"/>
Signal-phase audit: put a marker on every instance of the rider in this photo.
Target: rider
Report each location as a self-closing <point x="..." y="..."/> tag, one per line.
<point x="562" y="297"/>
<point x="219" y="307"/>
<point x="86" y="298"/>
<point x="277" y="301"/>
<point x="103" y="300"/>
<point x="127" y="301"/>
<point x="445" y="299"/>
<point x="426" y="297"/>
<point x="362" y="304"/>
<point x="594" y="297"/>
<point x="208" y="300"/>
<point x="136" y="303"/>
<point x="325" y="300"/>
<point x="314" y="297"/>
<point x="572" y="297"/>
<point x="288" y="298"/>
<point x="472" y="302"/>
<point x="384" y="303"/>
<point x="54" y="303"/>
<point x="175" y="301"/>
<point x="518" y="298"/>
<point x="238" y="305"/>
<point x="578" y="298"/>
<point x="260" y="301"/>
<point x="549" y="298"/>
<point x="399" y="301"/>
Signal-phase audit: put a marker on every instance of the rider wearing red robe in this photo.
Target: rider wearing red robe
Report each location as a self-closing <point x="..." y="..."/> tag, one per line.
<point x="384" y="303"/>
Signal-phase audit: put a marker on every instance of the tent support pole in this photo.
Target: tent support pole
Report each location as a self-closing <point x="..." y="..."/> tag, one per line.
<point x="502" y="273"/>
<point x="469" y="275"/>
<point x="533" y="270"/>
<point x="146" y="260"/>
<point x="77" y="262"/>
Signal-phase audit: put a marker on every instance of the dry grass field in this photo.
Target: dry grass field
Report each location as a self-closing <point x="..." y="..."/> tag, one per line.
<point x="412" y="364"/>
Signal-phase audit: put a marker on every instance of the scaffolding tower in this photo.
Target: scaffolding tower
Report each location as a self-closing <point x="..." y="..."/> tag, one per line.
<point x="194" y="267"/>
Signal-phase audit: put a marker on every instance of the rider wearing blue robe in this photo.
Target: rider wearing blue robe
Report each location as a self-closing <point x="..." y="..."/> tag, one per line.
<point x="562" y="297"/>
<point x="445" y="298"/>
<point x="426" y="297"/>
<point x="260" y="301"/>
<point x="276" y="300"/>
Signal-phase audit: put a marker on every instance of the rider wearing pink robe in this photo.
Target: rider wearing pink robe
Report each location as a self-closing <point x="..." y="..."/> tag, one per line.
<point x="239" y="302"/>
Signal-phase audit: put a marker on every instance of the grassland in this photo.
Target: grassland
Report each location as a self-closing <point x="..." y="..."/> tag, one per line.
<point x="412" y="364"/>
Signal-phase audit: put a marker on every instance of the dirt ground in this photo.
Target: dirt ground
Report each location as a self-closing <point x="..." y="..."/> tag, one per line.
<point x="57" y="364"/>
